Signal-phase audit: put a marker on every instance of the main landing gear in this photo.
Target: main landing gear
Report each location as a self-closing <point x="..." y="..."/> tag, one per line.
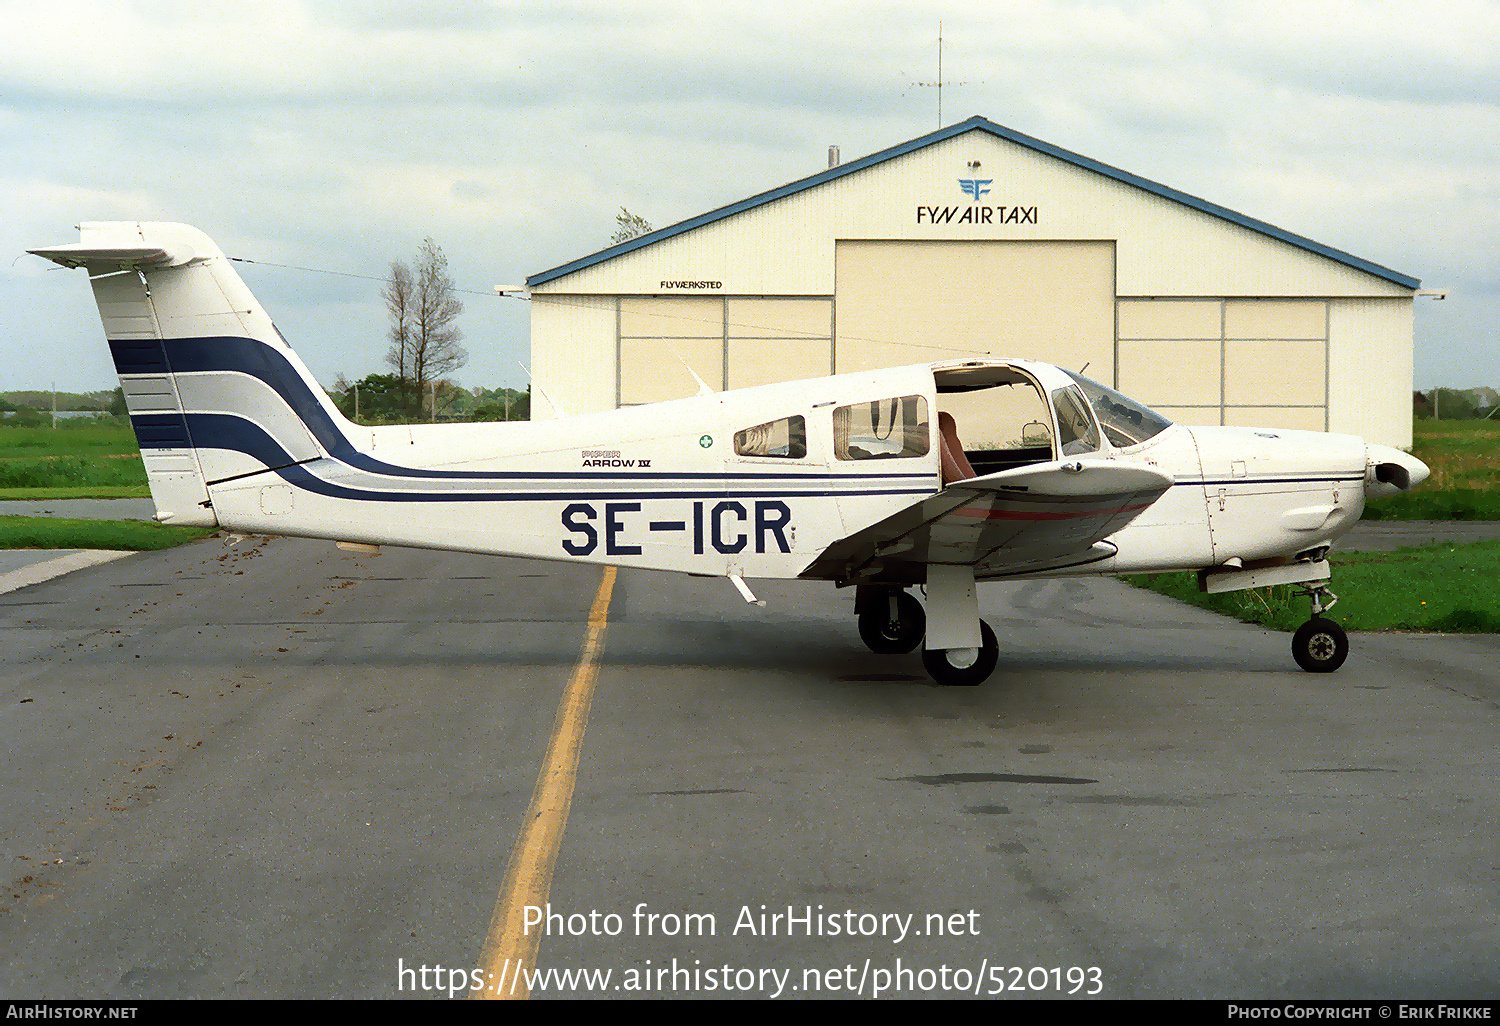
<point x="891" y="622"/>
<point x="964" y="667"/>
<point x="959" y="649"/>
<point x="1320" y="645"/>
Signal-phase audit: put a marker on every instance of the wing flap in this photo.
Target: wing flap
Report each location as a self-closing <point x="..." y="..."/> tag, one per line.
<point x="1016" y="521"/>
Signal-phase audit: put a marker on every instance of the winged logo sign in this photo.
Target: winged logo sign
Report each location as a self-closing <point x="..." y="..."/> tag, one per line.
<point x="976" y="187"/>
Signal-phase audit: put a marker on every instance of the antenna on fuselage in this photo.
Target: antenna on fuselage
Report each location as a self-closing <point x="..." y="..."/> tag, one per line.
<point x="703" y="388"/>
<point x="557" y="406"/>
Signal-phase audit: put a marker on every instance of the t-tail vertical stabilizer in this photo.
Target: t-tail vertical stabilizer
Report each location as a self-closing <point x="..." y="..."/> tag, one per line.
<point x="214" y="391"/>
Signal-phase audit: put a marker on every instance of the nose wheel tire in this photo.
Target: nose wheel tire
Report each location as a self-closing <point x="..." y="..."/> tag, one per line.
<point x="964" y="667"/>
<point x="1320" y="645"/>
<point x="893" y="633"/>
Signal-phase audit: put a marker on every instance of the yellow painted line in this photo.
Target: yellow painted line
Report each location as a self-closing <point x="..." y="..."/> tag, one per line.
<point x="508" y="952"/>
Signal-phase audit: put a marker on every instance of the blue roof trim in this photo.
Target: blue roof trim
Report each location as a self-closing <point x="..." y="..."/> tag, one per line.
<point x="976" y="123"/>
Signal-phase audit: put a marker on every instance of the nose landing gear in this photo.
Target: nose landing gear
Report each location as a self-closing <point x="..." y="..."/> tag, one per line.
<point x="1320" y="645"/>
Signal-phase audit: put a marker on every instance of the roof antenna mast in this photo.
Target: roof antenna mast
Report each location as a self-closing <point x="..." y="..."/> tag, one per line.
<point x="939" y="82"/>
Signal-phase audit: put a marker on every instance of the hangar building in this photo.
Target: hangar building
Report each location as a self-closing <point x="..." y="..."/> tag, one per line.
<point x="980" y="240"/>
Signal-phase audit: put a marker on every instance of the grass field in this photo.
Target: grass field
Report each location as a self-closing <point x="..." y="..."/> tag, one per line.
<point x="93" y="461"/>
<point x="1464" y="456"/>
<point x="109" y="438"/>
<point x="1441" y="587"/>
<point x="72" y="472"/>
<point x="78" y="492"/>
<point x="58" y="533"/>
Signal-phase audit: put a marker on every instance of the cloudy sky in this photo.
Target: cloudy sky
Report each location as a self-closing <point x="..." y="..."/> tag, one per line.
<point x="338" y="135"/>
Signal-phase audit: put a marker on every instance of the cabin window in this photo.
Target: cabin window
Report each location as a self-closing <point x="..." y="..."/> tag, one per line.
<point x="882" y="430"/>
<point x="785" y="438"/>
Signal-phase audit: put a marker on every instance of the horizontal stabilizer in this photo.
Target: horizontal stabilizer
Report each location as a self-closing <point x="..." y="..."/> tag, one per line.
<point x="130" y="244"/>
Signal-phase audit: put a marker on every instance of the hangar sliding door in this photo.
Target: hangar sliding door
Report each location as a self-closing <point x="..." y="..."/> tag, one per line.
<point x="663" y="341"/>
<point x="1242" y="362"/>
<point x="732" y="342"/>
<point x="900" y="302"/>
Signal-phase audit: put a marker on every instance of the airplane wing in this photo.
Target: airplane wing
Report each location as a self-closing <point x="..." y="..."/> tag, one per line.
<point x="1042" y="517"/>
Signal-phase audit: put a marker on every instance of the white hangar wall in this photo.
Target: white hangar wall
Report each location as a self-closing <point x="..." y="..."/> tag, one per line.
<point x="892" y="260"/>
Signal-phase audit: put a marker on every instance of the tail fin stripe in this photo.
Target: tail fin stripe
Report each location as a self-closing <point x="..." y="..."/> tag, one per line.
<point x="232" y="432"/>
<point x="149" y="394"/>
<point x="135" y="356"/>
<point x="258" y="360"/>
<point x="161" y="431"/>
<point x="222" y="431"/>
<point x="261" y="361"/>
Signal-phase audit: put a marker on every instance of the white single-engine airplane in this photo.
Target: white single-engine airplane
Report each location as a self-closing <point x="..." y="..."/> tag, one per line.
<point x="859" y="479"/>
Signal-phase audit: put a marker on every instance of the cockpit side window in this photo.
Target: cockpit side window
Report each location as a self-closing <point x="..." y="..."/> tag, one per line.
<point x="1003" y="424"/>
<point x="881" y="430"/>
<point x="1125" y="421"/>
<point x="785" y="438"/>
<point x="1076" y="433"/>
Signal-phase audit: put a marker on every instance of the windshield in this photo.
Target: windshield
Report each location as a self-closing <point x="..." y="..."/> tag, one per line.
<point x="1125" y="421"/>
<point x="1076" y="433"/>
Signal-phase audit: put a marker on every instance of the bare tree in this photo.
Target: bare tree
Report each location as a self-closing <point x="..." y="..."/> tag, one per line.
<point x="423" y="308"/>
<point x="630" y="226"/>
<point x="400" y="302"/>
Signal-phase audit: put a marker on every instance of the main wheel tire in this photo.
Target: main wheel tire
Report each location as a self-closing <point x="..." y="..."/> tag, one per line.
<point x="1320" y="645"/>
<point x="943" y="669"/>
<point x="893" y="637"/>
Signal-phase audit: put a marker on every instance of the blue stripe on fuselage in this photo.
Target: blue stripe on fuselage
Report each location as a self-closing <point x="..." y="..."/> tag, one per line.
<point x="234" y="433"/>
<point x="267" y="364"/>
